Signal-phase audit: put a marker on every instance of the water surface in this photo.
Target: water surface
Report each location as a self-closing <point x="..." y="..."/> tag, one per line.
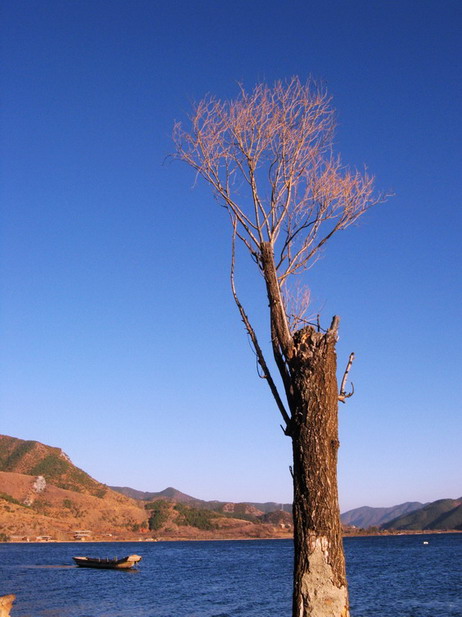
<point x="396" y="576"/>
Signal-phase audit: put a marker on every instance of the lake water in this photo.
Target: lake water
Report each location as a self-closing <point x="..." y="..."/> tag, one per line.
<point x="396" y="576"/>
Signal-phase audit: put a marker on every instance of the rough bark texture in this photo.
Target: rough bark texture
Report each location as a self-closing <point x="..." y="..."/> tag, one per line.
<point x="307" y="363"/>
<point x="320" y="587"/>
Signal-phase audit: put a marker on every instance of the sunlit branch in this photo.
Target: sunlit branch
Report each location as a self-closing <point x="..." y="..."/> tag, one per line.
<point x="253" y="338"/>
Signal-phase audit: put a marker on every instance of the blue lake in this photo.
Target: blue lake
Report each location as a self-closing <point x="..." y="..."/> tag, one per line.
<point x="396" y="576"/>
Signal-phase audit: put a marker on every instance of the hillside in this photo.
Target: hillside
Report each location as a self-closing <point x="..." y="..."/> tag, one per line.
<point x="441" y="514"/>
<point x="36" y="459"/>
<point x="43" y="494"/>
<point x="30" y="506"/>
<point x="168" y="519"/>
<point x="366" y="517"/>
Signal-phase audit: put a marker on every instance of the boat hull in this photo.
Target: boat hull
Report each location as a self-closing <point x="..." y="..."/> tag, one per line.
<point x="126" y="563"/>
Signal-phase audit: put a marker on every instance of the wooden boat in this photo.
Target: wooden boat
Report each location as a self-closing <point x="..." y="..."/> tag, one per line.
<point x="109" y="564"/>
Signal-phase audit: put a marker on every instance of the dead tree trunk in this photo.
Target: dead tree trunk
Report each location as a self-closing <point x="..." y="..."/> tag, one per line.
<point x="320" y="587"/>
<point x="307" y="362"/>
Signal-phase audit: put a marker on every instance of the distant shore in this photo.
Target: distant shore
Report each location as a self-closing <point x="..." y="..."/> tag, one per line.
<point x="361" y="534"/>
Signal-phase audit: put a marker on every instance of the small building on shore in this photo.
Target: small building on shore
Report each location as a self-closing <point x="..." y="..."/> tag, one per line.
<point x="82" y="535"/>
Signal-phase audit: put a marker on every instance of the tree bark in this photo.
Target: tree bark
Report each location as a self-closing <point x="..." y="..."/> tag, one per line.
<point x="320" y="586"/>
<point x="307" y="363"/>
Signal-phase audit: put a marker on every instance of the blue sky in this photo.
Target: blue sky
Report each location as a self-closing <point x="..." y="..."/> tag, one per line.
<point x="121" y="343"/>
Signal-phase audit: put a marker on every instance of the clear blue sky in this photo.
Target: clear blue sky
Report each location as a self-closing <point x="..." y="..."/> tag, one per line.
<point x="120" y="341"/>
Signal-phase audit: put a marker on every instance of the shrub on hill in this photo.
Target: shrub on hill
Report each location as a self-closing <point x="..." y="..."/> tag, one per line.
<point x="11" y="499"/>
<point x="242" y="516"/>
<point x="158" y="514"/>
<point x="201" y="519"/>
<point x="13" y="452"/>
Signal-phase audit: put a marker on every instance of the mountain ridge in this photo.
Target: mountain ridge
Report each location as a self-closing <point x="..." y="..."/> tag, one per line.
<point x="363" y="518"/>
<point x="178" y="496"/>
<point x="367" y="516"/>
<point x="439" y="514"/>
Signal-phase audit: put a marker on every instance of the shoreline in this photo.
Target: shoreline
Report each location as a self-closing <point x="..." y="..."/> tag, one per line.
<point x="419" y="532"/>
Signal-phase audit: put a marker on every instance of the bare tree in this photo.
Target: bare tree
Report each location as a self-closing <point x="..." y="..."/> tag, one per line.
<point x="268" y="155"/>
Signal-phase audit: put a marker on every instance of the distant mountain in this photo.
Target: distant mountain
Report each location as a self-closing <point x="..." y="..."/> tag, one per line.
<point x="441" y="514"/>
<point x="219" y="506"/>
<point x="168" y="493"/>
<point x="366" y="516"/>
<point x="272" y="506"/>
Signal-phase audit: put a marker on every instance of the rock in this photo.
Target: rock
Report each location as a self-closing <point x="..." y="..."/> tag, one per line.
<point x="39" y="485"/>
<point x="6" y="602"/>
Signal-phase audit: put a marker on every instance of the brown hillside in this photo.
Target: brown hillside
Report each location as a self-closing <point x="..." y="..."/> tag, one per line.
<point x="28" y="505"/>
<point x="241" y="508"/>
<point x="36" y="459"/>
<point x="170" y="520"/>
<point x="59" y="513"/>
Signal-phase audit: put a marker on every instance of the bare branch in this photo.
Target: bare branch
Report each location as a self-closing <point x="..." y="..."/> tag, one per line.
<point x="282" y="137"/>
<point x="253" y="338"/>
<point x="268" y="155"/>
<point x="343" y="393"/>
<point x="296" y="304"/>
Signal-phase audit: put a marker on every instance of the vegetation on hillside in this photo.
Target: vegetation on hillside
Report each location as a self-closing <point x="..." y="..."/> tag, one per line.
<point x="36" y="459"/>
<point x="12" y="451"/>
<point x="159" y="514"/>
<point x="11" y="499"/>
<point x="367" y="517"/>
<point x="60" y="472"/>
<point x="201" y="519"/>
<point x="440" y="514"/>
